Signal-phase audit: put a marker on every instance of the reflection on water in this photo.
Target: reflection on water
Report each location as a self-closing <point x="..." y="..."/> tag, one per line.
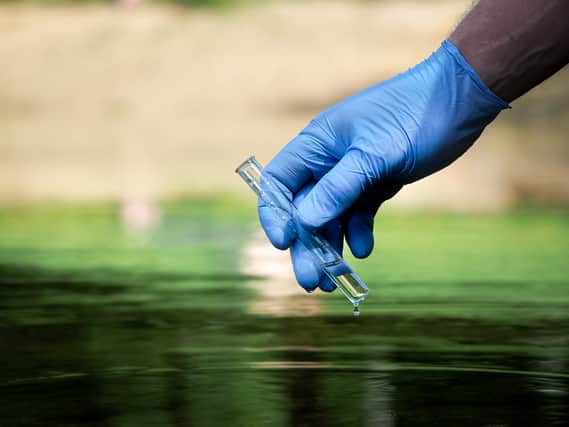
<point x="170" y="344"/>
<point x="276" y="294"/>
<point x="129" y="363"/>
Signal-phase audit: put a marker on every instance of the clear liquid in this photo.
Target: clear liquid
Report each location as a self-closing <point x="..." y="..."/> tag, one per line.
<point x="356" y="310"/>
<point x="348" y="282"/>
<point x="351" y="285"/>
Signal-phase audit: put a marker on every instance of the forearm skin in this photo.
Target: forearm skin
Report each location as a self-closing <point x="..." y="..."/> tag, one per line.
<point x="515" y="44"/>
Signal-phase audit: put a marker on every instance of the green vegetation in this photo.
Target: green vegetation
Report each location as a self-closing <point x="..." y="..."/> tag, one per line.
<point x="90" y="247"/>
<point x="470" y="265"/>
<point x="424" y="264"/>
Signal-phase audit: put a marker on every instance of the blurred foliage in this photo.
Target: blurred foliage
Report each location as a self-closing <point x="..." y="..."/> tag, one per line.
<point x="471" y="265"/>
<point x="457" y="263"/>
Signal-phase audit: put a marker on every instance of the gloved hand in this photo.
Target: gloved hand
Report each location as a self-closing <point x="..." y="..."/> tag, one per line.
<point x="360" y="152"/>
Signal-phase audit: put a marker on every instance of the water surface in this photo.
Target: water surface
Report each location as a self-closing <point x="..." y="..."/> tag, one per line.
<point x="467" y="324"/>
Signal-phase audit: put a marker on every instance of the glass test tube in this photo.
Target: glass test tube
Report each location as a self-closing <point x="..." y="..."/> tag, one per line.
<point x="333" y="265"/>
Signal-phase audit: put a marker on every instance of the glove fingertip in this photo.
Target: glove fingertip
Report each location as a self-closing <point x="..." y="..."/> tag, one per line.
<point x="327" y="285"/>
<point x="359" y="235"/>
<point x="278" y="237"/>
<point x="362" y="246"/>
<point x="280" y="233"/>
<point x="308" y="275"/>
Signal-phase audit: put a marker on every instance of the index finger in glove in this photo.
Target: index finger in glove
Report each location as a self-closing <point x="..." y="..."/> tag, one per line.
<point x="298" y="163"/>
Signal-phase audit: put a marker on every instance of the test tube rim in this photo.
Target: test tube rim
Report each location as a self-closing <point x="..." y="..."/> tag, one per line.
<point x="250" y="159"/>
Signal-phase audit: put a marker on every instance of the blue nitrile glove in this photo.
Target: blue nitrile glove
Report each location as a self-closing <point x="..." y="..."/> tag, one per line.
<point x="360" y="152"/>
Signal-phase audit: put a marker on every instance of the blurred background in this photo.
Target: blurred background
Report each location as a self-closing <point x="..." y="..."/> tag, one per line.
<point x="138" y="99"/>
<point x="136" y="286"/>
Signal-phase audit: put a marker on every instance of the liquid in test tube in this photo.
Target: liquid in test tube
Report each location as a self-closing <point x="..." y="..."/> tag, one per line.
<point x="323" y="254"/>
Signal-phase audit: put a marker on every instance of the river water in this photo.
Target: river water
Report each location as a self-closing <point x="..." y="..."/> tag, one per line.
<point x="161" y="330"/>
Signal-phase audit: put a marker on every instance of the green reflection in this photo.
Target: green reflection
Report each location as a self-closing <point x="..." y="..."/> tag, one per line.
<point x="468" y="317"/>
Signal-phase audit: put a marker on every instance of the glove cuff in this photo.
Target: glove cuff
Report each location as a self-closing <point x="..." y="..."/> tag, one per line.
<point x="463" y="63"/>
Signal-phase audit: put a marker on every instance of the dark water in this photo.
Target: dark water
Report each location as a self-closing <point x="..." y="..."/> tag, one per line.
<point x="157" y="341"/>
